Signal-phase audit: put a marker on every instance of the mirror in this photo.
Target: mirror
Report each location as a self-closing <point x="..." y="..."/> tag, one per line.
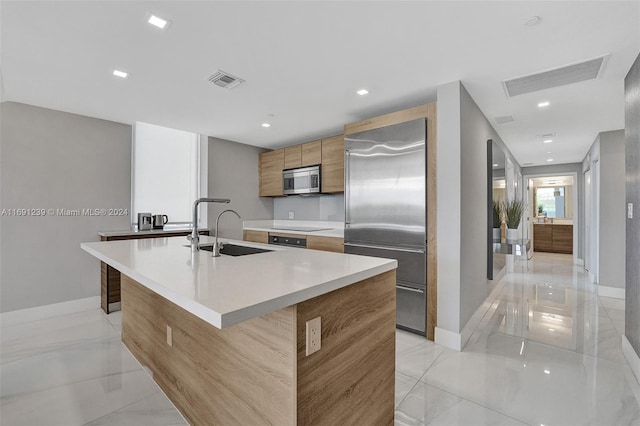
<point x="496" y="192"/>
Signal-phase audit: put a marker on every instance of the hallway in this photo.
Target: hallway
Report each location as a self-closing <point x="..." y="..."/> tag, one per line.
<point x="548" y="352"/>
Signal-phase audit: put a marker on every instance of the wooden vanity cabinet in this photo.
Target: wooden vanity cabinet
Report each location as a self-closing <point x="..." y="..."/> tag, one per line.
<point x="553" y="238"/>
<point x="270" y="166"/>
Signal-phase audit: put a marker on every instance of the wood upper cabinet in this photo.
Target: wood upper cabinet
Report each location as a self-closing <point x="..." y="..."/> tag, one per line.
<point x="292" y="156"/>
<point x="311" y="153"/>
<point x="333" y="164"/>
<point x="270" y="166"/>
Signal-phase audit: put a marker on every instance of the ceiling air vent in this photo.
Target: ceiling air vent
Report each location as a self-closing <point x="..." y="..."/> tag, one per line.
<point x="504" y="119"/>
<point x="587" y="70"/>
<point x="224" y="79"/>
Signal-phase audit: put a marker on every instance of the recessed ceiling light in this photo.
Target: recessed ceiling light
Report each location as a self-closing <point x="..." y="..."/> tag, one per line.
<point x="549" y="159"/>
<point x="362" y="92"/>
<point x="547" y="372"/>
<point x="547" y="141"/>
<point x="266" y="125"/>
<point x="532" y="21"/>
<point x="552" y="329"/>
<point x="121" y="74"/>
<point x="548" y="152"/>
<point x="544" y="104"/>
<point x="495" y="165"/>
<point x="156" y="21"/>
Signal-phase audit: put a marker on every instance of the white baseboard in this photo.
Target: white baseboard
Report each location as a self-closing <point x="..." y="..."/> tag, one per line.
<point x="615" y="292"/>
<point x="448" y="338"/>
<point x="632" y="357"/>
<point x="49" y="311"/>
<point x="457" y="341"/>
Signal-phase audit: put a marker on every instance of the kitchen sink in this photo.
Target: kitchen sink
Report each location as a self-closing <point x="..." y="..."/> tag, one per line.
<point x="235" y="250"/>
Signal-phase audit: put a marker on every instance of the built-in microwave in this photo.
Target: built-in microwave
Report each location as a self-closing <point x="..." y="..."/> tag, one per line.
<point x="304" y="180"/>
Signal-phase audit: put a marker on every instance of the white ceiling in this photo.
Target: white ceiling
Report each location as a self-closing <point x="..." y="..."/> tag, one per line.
<point x="303" y="62"/>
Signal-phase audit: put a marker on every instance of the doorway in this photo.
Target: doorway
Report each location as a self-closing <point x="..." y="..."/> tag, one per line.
<point x="552" y="205"/>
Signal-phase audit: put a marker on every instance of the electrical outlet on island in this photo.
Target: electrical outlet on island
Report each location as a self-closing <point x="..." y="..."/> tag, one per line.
<point x="313" y="336"/>
<point x="292" y="215"/>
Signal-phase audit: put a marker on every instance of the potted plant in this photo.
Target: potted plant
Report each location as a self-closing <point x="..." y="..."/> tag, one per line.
<point x="513" y="214"/>
<point x="497" y="220"/>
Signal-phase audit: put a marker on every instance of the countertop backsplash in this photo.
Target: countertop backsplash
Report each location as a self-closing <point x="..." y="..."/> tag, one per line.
<point x="317" y="207"/>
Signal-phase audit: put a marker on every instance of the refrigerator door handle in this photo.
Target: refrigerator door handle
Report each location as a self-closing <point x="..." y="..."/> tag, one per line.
<point x="347" y="183"/>
<point x="408" y="250"/>
<point x="415" y="290"/>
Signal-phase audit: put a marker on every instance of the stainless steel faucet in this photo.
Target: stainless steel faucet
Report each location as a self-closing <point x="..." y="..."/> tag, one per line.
<point x="217" y="246"/>
<point x="194" y="237"/>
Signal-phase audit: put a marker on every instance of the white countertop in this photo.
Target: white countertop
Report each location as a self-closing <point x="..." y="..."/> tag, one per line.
<point x="332" y="229"/>
<point x="228" y="290"/>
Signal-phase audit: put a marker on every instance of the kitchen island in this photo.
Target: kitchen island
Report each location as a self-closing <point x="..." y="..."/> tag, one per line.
<point x="225" y="337"/>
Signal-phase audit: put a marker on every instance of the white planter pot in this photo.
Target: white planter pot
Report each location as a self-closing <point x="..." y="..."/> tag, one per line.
<point x="496" y="234"/>
<point x="512" y="234"/>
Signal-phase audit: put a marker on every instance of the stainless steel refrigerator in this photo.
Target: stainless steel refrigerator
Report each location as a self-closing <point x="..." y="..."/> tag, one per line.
<point x="385" y="209"/>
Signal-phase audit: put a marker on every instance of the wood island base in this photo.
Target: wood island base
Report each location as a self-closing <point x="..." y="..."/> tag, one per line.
<point x="256" y="372"/>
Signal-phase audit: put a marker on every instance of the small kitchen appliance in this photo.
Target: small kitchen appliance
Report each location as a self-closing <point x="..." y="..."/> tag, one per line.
<point x="160" y="220"/>
<point x="145" y="221"/>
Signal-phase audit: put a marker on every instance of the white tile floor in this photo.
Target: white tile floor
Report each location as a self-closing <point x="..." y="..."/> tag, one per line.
<point x="547" y="353"/>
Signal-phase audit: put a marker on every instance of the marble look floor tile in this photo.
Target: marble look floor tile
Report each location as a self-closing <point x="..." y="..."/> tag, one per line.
<point x="406" y="340"/>
<point x="107" y="359"/>
<point x="77" y="403"/>
<point x="610" y="302"/>
<point x="414" y="361"/>
<point x="115" y="319"/>
<point x="427" y="405"/>
<point x="538" y="384"/>
<point x="404" y="384"/>
<point x="617" y="318"/>
<point x="155" y="410"/>
<point x="36" y="337"/>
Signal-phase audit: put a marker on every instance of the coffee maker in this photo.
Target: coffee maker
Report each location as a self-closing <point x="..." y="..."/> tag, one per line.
<point x="145" y="221"/>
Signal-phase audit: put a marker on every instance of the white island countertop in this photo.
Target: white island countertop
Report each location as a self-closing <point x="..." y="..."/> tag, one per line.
<point x="227" y="290"/>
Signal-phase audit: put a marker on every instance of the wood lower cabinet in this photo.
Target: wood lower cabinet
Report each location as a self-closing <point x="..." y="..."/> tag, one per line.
<point x="333" y="164"/>
<point x="110" y="277"/>
<point x="553" y="238"/>
<point x="333" y="244"/>
<point x="314" y="242"/>
<point x="563" y="239"/>
<point x="270" y="166"/>
<point x="256" y="236"/>
<point x="257" y="371"/>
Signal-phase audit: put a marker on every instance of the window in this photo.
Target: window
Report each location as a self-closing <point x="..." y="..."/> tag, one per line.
<point x="552" y="201"/>
<point x="166" y="173"/>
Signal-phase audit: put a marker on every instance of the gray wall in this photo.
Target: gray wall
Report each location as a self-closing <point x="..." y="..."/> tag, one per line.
<point x="463" y="131"/>
<point x="323" y="207"/>
<point x="612" y="210"/>
<point x="632" y="161"/>
<point x="55" y="160"/>
<point x="233" y="173"/>
<point x="578" y="211"/>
